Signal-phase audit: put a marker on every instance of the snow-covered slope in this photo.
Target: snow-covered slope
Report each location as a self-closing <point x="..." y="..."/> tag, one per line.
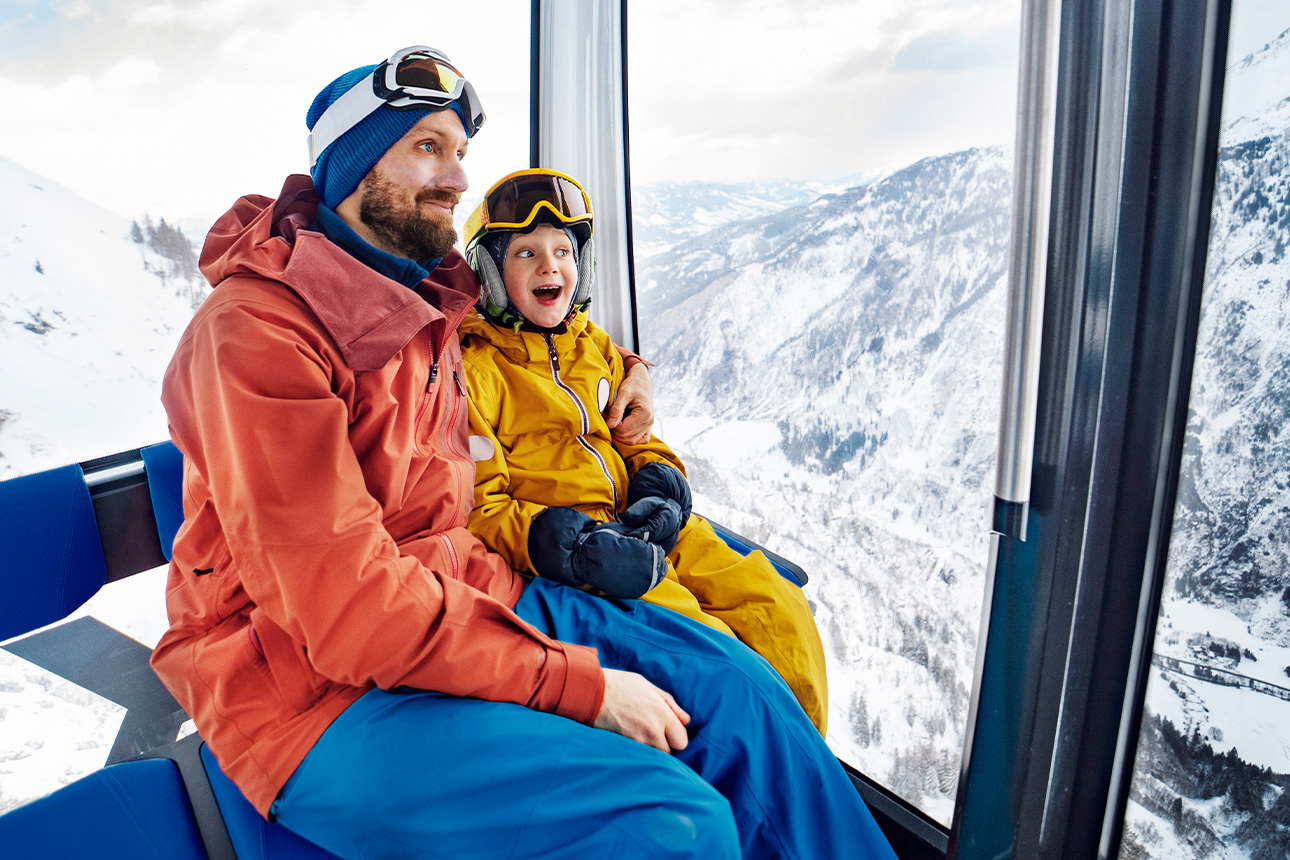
<point x="665" y="213"/>
<point x="830" y="374"/>
<point x="1227" y="598"/>
<point x="88" y="320"/>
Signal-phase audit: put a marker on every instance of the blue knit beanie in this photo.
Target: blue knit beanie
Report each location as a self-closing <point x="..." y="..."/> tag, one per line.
<point x="343" y="165"/>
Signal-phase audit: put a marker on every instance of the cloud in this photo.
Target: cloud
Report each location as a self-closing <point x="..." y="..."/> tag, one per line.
<point x="956" y="51"/>
<point x="129" y="73"/>
<point x="156" y="13"/>
<point x="72" y="10"/>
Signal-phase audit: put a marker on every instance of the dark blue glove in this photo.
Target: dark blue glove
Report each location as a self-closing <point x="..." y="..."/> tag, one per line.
<point x="655" y="519"/>
<point x="660" y="479"/>
<point x="570" y="547"/>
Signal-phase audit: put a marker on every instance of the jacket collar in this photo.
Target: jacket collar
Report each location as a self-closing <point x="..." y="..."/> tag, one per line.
<point x="369" y="316"/>
<point x="525" y="345"/>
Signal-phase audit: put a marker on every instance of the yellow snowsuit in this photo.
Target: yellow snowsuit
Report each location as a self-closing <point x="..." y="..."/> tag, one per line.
<point x="539" y="440"/>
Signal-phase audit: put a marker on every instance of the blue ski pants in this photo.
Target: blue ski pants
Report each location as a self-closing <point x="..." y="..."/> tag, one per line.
<point x="410" y="773"/>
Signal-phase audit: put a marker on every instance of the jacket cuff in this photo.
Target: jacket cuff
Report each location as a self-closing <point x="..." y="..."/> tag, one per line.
<point x="631" y="359"/>
<point x="584" y="684"/>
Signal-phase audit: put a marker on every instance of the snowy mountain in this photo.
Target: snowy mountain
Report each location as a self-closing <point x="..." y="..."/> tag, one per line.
<point x="91" y="306"/>
<point x="1227" y="597"/>
<point x="830" y="374"/>
<point x="665" y="213"/>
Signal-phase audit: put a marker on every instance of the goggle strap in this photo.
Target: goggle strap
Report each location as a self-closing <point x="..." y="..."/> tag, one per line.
<point x="342" y="115"/>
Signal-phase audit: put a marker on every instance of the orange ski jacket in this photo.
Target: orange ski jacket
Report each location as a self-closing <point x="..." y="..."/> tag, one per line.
<point x="321" y="412"/>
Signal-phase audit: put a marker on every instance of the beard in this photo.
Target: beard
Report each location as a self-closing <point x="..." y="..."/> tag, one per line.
<point x="406" y="230"/>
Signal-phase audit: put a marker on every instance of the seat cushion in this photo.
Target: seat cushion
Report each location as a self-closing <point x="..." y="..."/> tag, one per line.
<point x="136" y="810"/>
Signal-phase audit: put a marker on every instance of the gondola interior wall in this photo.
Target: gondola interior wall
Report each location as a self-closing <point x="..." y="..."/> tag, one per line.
<point x="823" y="286"/>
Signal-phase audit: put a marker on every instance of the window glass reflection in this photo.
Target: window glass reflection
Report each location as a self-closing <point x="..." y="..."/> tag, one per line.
<point x="820" y="213"/>
<point x="1213" y="763"/>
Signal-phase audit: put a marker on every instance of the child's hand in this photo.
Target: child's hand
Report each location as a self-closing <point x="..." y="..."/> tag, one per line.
<point x="568" y="546"/>
<point x="660" y="479"/>
<point x="655" y="519"/>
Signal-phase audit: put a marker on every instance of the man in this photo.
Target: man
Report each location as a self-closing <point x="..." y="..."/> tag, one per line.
<point x="363" y="669"/>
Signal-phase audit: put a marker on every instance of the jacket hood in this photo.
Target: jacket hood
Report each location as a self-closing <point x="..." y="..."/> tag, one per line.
<point x="369" y="316"/>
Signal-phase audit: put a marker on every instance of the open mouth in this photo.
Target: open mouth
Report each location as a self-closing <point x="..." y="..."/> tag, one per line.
<point x="546" y="294"/>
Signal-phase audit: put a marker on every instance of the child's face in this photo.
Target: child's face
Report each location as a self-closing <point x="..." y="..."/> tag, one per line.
<point x="541" y="274"/>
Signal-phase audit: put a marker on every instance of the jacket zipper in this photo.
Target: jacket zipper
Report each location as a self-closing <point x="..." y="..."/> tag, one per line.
<point x="466" y="489"/>
<point x="452" y="555"/>
<point x="582" y="414"/>
<point x="425" y="402"/>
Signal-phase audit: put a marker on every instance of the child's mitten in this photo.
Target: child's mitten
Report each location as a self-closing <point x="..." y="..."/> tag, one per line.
<point x="570" y="547"/>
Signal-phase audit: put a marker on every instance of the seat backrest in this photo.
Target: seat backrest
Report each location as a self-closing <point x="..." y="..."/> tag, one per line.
<point x="742" y="545"/>
<point x="137" y="810"/>
<point x="51" y="560"/>
<point x="165" y="469"/>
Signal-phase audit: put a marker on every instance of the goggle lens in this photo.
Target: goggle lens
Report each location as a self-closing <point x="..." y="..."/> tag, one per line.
<point x="513" y="203"/>
<point x="423" y="72"/>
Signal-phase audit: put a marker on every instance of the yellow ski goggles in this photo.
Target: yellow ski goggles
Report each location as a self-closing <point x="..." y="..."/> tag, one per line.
<point x="516" y="199"/>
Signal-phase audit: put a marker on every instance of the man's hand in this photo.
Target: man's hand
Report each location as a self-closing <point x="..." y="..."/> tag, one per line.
<point x="636" y="709"/>
<point x="631" y="415"/>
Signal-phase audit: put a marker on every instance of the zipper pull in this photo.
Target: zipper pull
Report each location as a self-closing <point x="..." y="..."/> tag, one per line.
<point x="434" y="374"/>
<point x="461" y="389"/>
<point x="550" y="348"/>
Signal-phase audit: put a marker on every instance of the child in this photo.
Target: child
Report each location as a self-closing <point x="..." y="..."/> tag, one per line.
<point x="555" y="494"/>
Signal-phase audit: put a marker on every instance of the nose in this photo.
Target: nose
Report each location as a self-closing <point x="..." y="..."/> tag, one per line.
<point x="549" y="262"/>
<point x="453" y="177"/>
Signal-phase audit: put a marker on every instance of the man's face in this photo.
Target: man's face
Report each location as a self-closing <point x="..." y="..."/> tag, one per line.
<point x="405" y="203"/>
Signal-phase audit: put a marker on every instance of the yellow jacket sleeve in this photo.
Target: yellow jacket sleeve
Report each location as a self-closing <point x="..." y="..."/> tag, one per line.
<point x="498" y="519"/>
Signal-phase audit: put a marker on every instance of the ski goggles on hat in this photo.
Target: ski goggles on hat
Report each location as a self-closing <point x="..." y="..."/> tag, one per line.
<point x="414" y="78"/>
<point x="515" y="200"/>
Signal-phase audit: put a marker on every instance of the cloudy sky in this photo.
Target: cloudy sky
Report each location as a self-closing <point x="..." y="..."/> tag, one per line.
<point x="176" y="107"/>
